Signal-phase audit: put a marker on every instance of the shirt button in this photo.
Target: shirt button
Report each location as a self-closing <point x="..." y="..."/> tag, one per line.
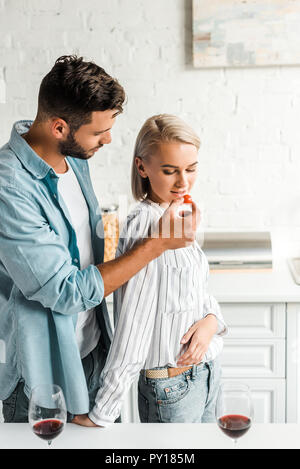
<point x="76" y="261"/>
<point x="54" y="195"/>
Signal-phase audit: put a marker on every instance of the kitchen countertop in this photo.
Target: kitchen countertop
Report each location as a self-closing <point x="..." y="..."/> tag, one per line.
<point x="274" y="285"/>
<point x="152" y="436"/>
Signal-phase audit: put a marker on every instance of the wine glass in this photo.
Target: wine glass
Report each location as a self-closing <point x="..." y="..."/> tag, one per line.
<point x="47" y="412"/>
<point x="234" y="410"/>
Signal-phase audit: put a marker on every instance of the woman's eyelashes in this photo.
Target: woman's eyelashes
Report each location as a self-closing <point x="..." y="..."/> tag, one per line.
<point x="173" y="172"/>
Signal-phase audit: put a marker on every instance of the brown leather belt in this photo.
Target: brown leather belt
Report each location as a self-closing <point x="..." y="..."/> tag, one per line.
<point x="166" y="372"/>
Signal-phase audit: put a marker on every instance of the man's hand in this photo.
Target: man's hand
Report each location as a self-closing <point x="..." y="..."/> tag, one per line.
<point x="178" y="232"/>
<point x="171" y="232"/>
<point x="84" y="421"/>
<point x="200" y="335"/>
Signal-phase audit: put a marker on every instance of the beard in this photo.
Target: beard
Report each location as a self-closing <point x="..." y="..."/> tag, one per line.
<point x="70" y="147"/>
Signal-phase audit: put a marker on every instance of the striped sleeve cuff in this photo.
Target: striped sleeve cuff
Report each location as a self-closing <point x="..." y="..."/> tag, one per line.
<point x="222" y="328"/>
<point x="100" y="420"/>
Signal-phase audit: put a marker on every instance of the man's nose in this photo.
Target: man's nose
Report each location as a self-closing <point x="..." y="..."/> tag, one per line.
<point x="106" y="138"/>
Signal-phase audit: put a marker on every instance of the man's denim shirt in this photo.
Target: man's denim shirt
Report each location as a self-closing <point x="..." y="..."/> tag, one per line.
<point x="42" y="288"/>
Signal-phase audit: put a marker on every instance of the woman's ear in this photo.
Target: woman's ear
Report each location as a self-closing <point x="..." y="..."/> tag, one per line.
<point x="140" y="167"/>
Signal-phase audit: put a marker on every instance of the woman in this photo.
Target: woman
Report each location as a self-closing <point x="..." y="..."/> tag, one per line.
<point x="165" y="299"/>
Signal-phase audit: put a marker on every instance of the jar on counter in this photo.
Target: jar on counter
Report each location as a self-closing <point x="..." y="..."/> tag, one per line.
<point x="111" y="231"/>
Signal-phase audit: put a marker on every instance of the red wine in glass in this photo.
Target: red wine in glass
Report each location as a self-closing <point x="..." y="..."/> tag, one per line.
<point x="234" y="426"/>
<point x="234" y="409"/>
<point x="47" y="412"/>
<point x="48" y="429"/>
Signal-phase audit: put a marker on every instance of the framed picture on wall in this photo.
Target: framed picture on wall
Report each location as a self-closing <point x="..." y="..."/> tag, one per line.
<point x="243" y="33"/>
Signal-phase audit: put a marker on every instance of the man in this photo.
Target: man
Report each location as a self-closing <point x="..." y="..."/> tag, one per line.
<point x="53" y="281"/>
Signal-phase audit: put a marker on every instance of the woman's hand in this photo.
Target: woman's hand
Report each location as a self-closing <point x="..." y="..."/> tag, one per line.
<point x="84" y="421"/>
<point x="199" y="335"/>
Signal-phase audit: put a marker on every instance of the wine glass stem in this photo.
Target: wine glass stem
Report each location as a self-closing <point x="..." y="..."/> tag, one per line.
<point x="235" y="443"/>
<point x="49" y="443"/>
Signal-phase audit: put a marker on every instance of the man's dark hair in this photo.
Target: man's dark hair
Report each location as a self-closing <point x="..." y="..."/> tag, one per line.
<point x="73" y="89"/>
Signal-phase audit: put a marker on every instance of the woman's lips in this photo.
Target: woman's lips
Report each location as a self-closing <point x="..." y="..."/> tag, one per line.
<point x="179" y="194"/>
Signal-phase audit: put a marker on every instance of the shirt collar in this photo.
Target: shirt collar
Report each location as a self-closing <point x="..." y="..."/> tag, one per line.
<point x="159" y="207"/>
<point x="67" y="173"/>
<point x="32" y="162"/>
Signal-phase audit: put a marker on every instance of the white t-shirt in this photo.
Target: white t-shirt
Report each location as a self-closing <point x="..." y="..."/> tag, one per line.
<point x="87" y="328"/>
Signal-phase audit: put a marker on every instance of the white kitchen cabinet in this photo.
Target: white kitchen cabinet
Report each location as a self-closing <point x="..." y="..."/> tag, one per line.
<point x="255" y="353"/>
<point x="253" y="358"/>
<point x="255" y="320"/>
<point x="293" y="363"/>
<point x="268" y="397"/>
<point x="262" y="310"/>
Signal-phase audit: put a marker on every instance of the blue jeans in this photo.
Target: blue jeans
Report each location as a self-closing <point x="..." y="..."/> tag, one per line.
<point x="186" y="398"/>
<point x="15" y="407"/>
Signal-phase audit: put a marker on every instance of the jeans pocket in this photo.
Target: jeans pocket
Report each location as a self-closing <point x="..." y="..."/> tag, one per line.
<point x="171" y="392"/>
<point x="143" y="406"/>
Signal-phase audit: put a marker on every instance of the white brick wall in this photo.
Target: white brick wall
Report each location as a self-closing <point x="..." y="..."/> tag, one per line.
<point x="248" y="119"/>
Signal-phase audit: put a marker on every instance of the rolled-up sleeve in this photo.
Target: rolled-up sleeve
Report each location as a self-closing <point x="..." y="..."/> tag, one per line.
<point x="39" y="262"/>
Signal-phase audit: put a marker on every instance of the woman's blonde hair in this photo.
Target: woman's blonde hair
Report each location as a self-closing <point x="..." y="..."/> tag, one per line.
<point x="157" y="129"/>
